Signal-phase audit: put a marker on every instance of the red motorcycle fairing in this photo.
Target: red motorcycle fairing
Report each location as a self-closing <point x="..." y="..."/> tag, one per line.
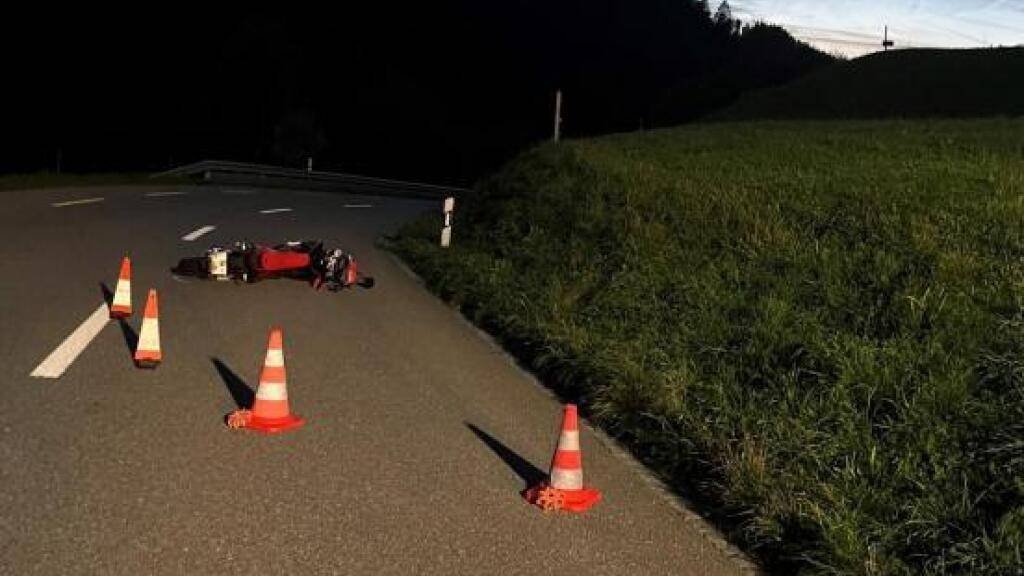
<point x="271" y="261"/>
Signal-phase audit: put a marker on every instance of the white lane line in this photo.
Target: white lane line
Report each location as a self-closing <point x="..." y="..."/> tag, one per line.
<point x="197" y="233"/>
<point x="162" y="194"/>
<point x="358" y="205"/>
<point x="275" y="210"/>
<point x="62" y="357"/>
<point x="74" y="202"/>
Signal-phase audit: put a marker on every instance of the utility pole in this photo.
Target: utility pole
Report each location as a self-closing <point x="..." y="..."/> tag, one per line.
<point x="558" y="114"/>
<point x="886" y="43"/>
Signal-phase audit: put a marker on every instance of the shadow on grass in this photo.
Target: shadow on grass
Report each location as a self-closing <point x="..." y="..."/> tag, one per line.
<point x="240" y="391"/>
<point x="527" y="471"/>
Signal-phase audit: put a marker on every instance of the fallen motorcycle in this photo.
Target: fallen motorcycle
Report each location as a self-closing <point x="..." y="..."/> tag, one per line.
<point x="248" y="262"/>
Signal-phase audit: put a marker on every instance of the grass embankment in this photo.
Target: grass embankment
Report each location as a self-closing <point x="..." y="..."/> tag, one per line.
<point x="815" y="328"/>
<point x="37" y="180"/>
<point x="898" y="84"/>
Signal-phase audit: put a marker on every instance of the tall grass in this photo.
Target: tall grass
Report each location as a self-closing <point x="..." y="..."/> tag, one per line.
<point x="816" y="328"/>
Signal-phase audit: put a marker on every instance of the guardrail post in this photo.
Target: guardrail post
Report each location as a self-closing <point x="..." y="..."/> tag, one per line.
<point x="446" y="232"/>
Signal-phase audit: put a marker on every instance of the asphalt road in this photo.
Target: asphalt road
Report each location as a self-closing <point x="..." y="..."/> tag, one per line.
<point x="420" y="432"/>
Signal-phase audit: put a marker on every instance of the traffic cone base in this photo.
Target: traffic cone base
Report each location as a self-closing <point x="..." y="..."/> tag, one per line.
<point x="275" y="425"/>
<point x="148" y="364"/>
<point x="581" y="500"/>
<point x="572" y="500"/>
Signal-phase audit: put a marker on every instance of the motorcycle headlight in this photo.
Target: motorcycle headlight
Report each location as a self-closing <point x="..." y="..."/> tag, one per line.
<point x="219" y="265"/>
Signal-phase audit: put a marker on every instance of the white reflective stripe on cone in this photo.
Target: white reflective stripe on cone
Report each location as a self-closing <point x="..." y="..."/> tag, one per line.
<point x="149" y="339"/>
<point x="272" y="391"/>
<point x="567" y="479"/>
<point x="123" y="292"/>
<point x="569" y="440"/>
<point x="275" y="358"/>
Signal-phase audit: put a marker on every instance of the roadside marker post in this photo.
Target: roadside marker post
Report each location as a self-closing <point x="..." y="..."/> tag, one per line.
<point x="446" y="232"/>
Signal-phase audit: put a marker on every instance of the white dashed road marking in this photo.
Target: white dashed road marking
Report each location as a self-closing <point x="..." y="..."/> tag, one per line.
<point x="197" y="233"/>
<point x="275" y="210"/>
<point x="162" y="194"/>
<point x="62" y="357"/>
<point x="75" y="202"/>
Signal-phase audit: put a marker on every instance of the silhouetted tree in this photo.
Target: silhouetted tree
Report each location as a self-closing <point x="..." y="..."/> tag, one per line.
<point x="298" y="136"/>
<point x="723" y="16"/>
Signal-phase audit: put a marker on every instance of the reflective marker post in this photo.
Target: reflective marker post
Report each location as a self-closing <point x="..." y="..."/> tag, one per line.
<point x="446" y="232"/>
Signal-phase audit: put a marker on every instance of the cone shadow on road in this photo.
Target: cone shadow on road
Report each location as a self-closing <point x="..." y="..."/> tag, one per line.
<point x="240" y="391"/>
<point x="108" y="294"/>
<point x="131" y="338"/>
<point x="527" y="471"/>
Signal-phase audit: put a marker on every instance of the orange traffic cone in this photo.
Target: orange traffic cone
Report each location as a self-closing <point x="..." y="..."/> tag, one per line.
<point x="564" y="490"/>
<point x="270" y="413"/>
<point x="121" y="307"/>
<point x="147" y="353"/>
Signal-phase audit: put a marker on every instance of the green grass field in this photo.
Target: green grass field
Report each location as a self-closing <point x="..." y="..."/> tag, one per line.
<point x="815" y="329"/>
<point x="37" y="180"/>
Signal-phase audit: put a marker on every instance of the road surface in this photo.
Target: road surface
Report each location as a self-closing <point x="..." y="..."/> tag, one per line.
<point x="420" y="432"/>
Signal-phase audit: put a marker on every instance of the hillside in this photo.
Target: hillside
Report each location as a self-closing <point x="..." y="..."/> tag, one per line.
<point x="814" y="328"/>
<point x="899" y="83"/>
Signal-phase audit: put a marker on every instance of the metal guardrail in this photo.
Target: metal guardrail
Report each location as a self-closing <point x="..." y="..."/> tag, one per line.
<point x="263" y="174"/>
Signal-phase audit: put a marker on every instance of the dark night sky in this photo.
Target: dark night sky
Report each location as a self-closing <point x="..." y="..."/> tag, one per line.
<point x="113" y="87"/>
<point x="441" y="90"/>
